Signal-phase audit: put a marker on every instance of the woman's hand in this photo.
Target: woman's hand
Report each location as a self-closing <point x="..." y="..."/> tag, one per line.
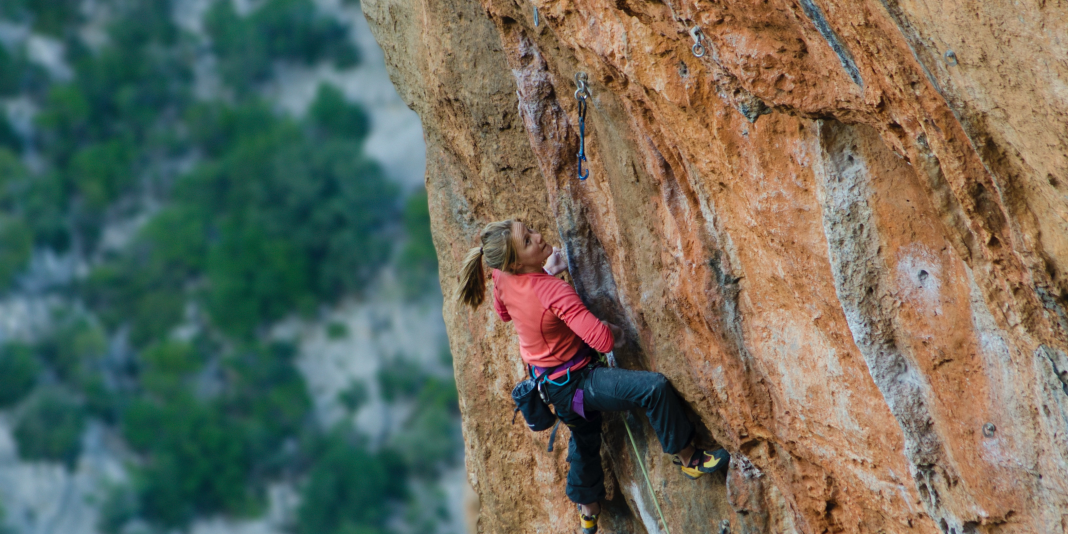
<point x="617" y="334"/>
<point x="556" y="263"/>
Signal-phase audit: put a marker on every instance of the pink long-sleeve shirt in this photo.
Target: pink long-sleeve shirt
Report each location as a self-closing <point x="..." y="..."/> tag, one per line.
<point x="549" y="317"/>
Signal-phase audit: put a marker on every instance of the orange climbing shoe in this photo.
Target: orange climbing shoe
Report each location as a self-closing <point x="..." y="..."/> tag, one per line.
<point x="704" y="462"/>
<point x="588" y="522"/>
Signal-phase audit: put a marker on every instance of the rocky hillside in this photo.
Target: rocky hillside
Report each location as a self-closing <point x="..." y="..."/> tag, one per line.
<point x="842" y="233"/>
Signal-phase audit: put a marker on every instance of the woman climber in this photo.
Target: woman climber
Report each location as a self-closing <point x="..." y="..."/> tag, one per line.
<point x="558" y="336"/>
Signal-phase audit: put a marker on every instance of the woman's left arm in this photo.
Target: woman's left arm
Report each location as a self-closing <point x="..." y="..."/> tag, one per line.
<point x="561" y="298"/>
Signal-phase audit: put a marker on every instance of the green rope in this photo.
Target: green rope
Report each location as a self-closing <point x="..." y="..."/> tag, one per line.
<point x="646" y="473"/>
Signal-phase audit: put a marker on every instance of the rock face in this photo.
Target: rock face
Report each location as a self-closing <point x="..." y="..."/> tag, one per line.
<point x="842" y="233"/>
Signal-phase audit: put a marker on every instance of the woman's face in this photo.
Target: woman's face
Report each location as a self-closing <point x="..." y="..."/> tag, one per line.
<point x="531" y="248"/>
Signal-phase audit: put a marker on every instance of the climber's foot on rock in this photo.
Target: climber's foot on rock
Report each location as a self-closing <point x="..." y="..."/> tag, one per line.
<point x="588" y="517"/>
<point x="702" y="462"/>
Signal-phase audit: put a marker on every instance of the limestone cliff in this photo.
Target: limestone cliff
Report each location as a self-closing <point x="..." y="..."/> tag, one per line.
<point x="842" y="233"/>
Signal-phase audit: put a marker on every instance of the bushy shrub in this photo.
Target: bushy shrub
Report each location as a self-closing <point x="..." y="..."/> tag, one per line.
<point x="101" y="172"/>
<point x="418" y="260"/>
<point x="199" y="460"/>
<point x="335" y="116"/>
<point x="51" y="429"/>
<point x="55" y="17"/>
<point x="431" y="437"/>
<point x="296" y="221"/>
<point x="18" y="373"/>
<point x="72" y="346"/>
<point x="293" y="30"/>
<point x="255" y="278"/>
<point x="167" y="365"/>
<point x="268" y="396"/>
<point x="17" y="73"/>
<point x="349" y="489"/>
<point x="355" y="396"/>
<point x="9" y="139"/>
<point x="16" y="245"/>
<point x="401" y="378"/>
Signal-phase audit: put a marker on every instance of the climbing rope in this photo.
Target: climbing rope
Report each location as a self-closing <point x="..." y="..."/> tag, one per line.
<point x="581" y="93"/>
<point x="611" y="358"/>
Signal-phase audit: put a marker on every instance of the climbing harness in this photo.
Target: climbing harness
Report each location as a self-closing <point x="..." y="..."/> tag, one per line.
<point x="610" y="357"/>
<point x="536" y="21"/>
<point x="581" y="93"/>
<point x="698" y="49"/>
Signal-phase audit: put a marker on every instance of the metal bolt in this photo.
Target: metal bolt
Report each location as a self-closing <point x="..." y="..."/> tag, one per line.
<point x="989" y="429"/>
<point x="536" y="21"/>
<point x="698" y="49"/>
<point x="951" y="58"/>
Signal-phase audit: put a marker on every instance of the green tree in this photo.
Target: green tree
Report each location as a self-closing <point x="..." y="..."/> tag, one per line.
<point x="16" y="245"/>
<point x="51" y="428"/>
<point x="18" y="373"/>
<point x="71" y="347"/>
<point x="418" y="259"/>
<point x="9" y="139"/>
<point x="336" y="117"/>
<point x="101" y="172"/>
<point x="269" y="396"/>
<point x="292" y="30"/>
<point x="55" y="17"/>
<point x="349" y="488"/>
<point x="167" y="367"/>
<point x="199" y="460"/>
<point x="255" y="278"/>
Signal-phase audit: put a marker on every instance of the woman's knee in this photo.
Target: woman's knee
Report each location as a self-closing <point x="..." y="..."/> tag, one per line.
<point x="659" y="385"/>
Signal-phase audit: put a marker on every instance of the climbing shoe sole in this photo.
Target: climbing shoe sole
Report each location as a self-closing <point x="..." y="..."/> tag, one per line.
<point x="708" y="462"/>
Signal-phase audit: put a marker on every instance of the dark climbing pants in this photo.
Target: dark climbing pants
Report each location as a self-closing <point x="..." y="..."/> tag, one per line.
<point x="614" y="390"/>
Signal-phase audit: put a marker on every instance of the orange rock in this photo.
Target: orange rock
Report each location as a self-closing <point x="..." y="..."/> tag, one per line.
<point x="842" y="234"/>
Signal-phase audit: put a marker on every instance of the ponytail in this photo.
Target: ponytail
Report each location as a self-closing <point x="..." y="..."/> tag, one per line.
<point x="499" y="252"/>
<point x="473" y="279"/>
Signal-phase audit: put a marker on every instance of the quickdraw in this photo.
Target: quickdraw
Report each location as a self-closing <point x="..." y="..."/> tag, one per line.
<point x="581" y="93"/>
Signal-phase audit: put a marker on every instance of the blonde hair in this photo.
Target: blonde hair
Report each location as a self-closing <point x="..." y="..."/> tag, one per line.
<point x="498" y="250"/>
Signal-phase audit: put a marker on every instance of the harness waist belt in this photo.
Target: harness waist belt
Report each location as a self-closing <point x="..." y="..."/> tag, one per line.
<point x="560" y="370"/>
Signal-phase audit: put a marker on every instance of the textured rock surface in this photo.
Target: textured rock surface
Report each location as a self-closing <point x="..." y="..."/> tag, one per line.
<point x="842" y="234"/>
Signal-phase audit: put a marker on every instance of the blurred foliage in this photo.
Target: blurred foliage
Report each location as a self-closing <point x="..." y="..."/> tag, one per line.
<point x="18" y="373"/>
<point x="120" y="506"/>
<point x="4" y="527"/>
<point x="348" y="488"/>
<point x="431" y="438"/>
<point x="401" y="378"/>
<point x="145" y="287"/>
<point x="16" y="245"/>
<point x="200" y="460"/>
<point x="254" y="215"/>
<point x="418" y="260"/>
<point x="279" y="29"/>
<point x="167" y="367"/>
<point x="18" y="74"/>
<point x="72" y="347"/>
<point x="268" y="395"/>
<point x="51" y="428"/>
<point x="9" y="139"/>
<point x="355" y="396"/>
<point x="336" y="117"/>
<point x="297" y="221"/>
<point x="336" y="331"/>
<point x="48" y="16"/>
